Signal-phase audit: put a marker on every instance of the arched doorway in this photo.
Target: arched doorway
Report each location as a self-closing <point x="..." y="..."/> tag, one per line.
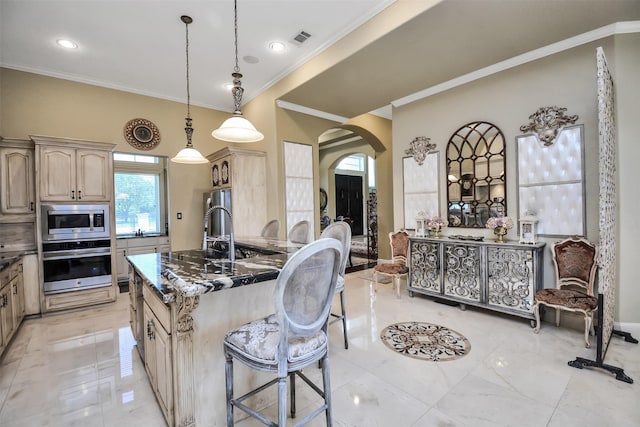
<point x="347" y="176"/>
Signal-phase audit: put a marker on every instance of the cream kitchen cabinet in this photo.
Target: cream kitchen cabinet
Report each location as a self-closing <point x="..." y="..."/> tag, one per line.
<point x="72" y="170"/>
<point x="137" y="246"/>
<point x="11" y="302"/>
<point x="157" y="351"/>
<point x="17" y="190"/>
<point x="245" y="173"/>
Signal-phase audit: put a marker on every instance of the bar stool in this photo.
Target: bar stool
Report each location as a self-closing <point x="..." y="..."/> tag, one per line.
<point x="294" y="337"/>
<point x="299" y="232"/>
<point x="341" y="231"/>
<point x="271" y="230"/>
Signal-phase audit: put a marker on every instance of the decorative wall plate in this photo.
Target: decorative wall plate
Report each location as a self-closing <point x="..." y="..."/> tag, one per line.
<point x="141" y="134"/>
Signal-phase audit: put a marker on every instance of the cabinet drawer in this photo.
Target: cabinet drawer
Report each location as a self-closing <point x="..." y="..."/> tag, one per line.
<point x="77" y="299"/>
<point x="160" y="310"/>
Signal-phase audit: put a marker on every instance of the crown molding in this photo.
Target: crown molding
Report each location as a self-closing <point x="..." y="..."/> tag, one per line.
<point x="310" y="111"/>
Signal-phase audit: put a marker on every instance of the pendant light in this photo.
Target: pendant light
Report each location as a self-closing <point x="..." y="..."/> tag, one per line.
<point x="188" y="155"/>
<point x="236" y="128"/>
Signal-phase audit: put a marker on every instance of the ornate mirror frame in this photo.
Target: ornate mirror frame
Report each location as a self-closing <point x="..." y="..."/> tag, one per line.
<point x="476" y="175"/>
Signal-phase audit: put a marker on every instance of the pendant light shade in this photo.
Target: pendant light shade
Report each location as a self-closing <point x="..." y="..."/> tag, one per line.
<point x="237" y="128"/>
<point x="188" y="155"/>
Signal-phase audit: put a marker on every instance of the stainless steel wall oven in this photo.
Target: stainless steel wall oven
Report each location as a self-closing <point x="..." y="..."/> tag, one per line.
<point x="76" y="265"/>
<point x="76" y="247"/>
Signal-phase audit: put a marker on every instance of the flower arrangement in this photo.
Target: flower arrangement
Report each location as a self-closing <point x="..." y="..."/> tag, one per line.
<point x="436" y="222"/>
<point x="500" y="221"/>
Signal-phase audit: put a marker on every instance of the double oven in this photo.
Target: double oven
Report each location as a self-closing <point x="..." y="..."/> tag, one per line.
<point x="76" y="247"/>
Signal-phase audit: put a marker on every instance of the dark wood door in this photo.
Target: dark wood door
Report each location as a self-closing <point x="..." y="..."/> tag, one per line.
<point x="349" y="201"/>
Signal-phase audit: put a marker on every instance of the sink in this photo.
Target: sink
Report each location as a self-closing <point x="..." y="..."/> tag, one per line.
<point x="220" y="250"/>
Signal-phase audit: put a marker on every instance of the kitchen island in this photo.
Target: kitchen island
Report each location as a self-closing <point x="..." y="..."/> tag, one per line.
<point x="182" y="305"/>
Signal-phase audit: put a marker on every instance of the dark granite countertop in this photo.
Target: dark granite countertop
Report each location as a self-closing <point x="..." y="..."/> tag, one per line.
<point x="195" y="272"/>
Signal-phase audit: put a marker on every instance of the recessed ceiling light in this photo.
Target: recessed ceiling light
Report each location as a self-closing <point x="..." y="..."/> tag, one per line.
<point x="276" y="46"/>
<point x="68" y="44"/>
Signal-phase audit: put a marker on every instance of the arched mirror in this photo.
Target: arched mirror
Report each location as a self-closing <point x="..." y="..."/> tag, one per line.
<point x="476" y="184"/>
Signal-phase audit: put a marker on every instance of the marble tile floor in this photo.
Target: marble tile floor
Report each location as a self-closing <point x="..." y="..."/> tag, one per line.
<point x="81" y="369"/>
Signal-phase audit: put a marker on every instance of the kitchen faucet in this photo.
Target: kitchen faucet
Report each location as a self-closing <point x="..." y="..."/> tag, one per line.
<point x="232" y="246"/>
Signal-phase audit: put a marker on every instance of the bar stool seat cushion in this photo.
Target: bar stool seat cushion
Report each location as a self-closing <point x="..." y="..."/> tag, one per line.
<point x="258" y="341"/>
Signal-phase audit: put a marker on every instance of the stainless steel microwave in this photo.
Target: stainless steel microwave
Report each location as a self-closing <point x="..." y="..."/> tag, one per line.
<point x="70" y="222"/>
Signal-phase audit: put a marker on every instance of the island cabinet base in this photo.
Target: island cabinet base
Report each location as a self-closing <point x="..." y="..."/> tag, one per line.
<point x="497" y="276"/>
<point x="183" y="350"/>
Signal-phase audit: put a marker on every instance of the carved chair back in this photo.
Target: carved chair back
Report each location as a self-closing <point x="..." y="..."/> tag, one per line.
<point x="575" y="260"/>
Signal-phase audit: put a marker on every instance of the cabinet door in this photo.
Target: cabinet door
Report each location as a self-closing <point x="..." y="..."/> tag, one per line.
<point x="17" y="300"/>
<point x="462" y="278"/>
<point x="6" y="314"/>
<point x="94" y="177"/>
<point x="31" y="284"/>
<point x="510" y="279"/>
<point x="157" y="347"/>
<point x="122" y="265"/>
<point x="57" y="174"/>
<point x="424" y="267"/>
<point x="164" y="371"/>
<point x="17" y="190"/>
<point x="149" y="345"/>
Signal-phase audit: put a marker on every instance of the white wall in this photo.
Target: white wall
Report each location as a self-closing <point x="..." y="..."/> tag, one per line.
<point x="506" y="99"/>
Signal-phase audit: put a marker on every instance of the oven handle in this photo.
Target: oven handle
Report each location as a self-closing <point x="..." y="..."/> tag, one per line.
<point x="80" y="253"/>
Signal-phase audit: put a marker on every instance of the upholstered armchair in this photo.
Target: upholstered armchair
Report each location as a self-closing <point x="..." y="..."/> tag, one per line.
<point x="575" y="261"/>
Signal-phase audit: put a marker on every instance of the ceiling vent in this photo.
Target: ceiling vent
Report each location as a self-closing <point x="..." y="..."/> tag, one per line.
<point x="302" y="37"/>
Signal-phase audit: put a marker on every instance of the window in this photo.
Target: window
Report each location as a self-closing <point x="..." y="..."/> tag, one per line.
<point x="141" y="196"/>
<point x="354" y="162"/>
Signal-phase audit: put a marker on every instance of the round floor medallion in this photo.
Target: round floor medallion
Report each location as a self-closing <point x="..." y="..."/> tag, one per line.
<point x="425" y="341"/>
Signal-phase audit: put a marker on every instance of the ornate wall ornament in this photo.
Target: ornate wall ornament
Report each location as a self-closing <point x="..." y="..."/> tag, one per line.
<point x="419" y="148"/>
<point x="547" y="122"/>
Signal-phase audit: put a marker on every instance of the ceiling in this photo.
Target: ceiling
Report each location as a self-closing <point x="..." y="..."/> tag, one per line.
<point x="139" y="45"/>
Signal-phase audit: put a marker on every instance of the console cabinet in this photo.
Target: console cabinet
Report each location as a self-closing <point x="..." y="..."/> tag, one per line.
<point x="496" y="276"/>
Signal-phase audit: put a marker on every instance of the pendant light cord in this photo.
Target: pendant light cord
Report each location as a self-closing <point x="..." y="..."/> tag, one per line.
<point x="188" y="129"/>
<point x="235" y="24"/>
<point x="187" y="55"/>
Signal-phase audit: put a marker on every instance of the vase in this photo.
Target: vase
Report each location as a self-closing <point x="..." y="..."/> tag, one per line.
<point x="500" y="232"/>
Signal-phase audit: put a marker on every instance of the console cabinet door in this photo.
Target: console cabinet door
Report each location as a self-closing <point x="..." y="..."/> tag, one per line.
<point x="510" y="279"/>
<point x="462" y="279"/>
<point x="424" y="266"/>
<point x="57" y="174"/>
<point x="17" y="192"/>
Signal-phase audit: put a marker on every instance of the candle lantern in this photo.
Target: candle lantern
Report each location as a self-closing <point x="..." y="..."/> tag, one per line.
<point x="421" y="225"/>
<point x="528" y="228"/>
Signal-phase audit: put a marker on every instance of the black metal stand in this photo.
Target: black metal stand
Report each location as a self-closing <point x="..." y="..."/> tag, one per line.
<point x="581" y="362"/>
